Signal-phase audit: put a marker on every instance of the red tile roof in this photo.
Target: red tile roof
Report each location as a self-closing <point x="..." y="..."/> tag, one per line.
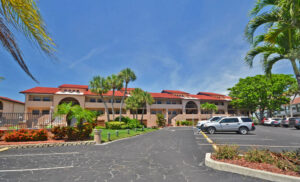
<point x="41" y="90"/>
<point x="73" y="86"/>
<point x="11" y="100"/>
<point x="174" y="91"/>
<point x="128" y="89"/>
<point x="205" y="97"/>
<point x="109" y="93"/>
<point x="209" y="93"/>
<point x="164" y="95"/>
<point x="296" y="100"/>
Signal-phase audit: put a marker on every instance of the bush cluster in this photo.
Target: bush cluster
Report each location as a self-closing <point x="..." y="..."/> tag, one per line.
<point x="126" y="123"/>
<point x="72" y="133"/>
<point x="227" y="152"/>
<point x="184" y="123"/>
<point x="1" y="134"/>
<point x="26" y="135"/>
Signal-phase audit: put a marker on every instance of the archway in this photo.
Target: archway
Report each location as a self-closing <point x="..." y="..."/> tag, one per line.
<point x="68" y="100"/>
<point x="191" y="108"/>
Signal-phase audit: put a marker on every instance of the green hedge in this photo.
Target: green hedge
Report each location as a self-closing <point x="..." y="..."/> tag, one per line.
<point x="114" y="125"/>
<point x="186" y="123"/>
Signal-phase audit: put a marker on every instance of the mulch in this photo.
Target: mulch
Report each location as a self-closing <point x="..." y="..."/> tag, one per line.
<point x="258" y="166"/>
<point x="31" y="142"/>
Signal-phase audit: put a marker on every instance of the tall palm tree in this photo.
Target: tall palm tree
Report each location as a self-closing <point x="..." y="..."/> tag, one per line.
<point x="127" y="75"/>
<point x="209" y="107"/>
<point x="114" y="83"/>
<point x="132" y="104"/>
<point x="65" y="109"/>
<point x="281" y="39"/>
<point x="100" y="86"/>
<point x="146" y="99"/>
<point x="26" y="17"/>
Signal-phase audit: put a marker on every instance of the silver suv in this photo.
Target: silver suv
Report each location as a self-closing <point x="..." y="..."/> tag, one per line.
<point x="240" y="125"/>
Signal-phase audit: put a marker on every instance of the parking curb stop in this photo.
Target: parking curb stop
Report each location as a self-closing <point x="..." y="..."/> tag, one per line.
<point x="222" y="166"/>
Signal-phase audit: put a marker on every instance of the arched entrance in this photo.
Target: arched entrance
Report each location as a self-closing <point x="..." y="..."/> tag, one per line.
<point x="191" y="108"/>
<point x="68" y="100"/>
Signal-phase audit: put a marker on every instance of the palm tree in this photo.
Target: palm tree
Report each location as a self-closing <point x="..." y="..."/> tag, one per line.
<point x="65" y="109"/>
<point x="114" y="83"/>
<point x="209" y="107"/>
<point x="26" y="17"/>
<point x="132" y="104"/>
<point x="100" y="86"/>
<point x="146" y="100"/>
<point x="127" y="75"/>
<point x="281" y="39"/>
<point x="82" y="115"/>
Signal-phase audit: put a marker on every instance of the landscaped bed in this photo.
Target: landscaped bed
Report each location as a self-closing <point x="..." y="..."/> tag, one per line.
<point x="286" y="162"/>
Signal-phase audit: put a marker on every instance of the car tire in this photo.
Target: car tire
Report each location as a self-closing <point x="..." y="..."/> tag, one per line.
<point x="243" y="130"/>
<point x="298" y="128"/>
<point x="211" y="130"/>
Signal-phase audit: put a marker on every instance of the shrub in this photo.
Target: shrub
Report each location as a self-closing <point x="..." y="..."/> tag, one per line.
<point x="260" y="156"/>
<point x="58" y="132"/>
<point x="160" y="121"/>
<point x="186" y="123"/>
<point x="123" y="119"/>
<point x="100" y="127"/>
<point x="114" y="125"/>
<point x="1" y="134"/>
<point x="26" y="135"/>
<point x="177" y="123"/>
<point x="227" y="152"/>
<point x="134" y="123"/>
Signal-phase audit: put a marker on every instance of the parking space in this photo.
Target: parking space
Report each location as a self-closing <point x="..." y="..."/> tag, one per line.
<point x="273" y="138"/>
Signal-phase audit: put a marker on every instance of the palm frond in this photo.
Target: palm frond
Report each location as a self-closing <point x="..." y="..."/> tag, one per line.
<point x="257" y="22"/>
<point x="260" y="50"/>
<point x="260" y="4"/>
<point x="8" y="41"/>
<point x="25" y="15"/>
<point x="268" y="63"/>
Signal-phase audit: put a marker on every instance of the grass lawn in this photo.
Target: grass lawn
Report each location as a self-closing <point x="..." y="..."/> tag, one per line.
<point x="122" y="133"/>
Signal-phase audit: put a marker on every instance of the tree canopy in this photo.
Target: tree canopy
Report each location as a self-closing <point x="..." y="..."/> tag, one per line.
<point x="262" y="92"/>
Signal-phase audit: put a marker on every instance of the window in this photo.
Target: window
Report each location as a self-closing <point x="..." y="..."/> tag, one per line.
<point x="36" y="98"/>
<point x="222" y="103"/>
<point x="118" y="101"/>
<point x="217" y="103"/>
<point x="174" y="112"/>
<point x="99" y="100"/>
<point x="168" y="102"/>
<point x="35" y="112"/>
<point x="1" y="105"/>
<point x="230" y="120"/>
<point x="173" y="102"/>
<point x="45" y="112"/>
<point x="158" y="102"/>
<point x="169" y="112"/>
<point x="46" y="99"/>
<point x="153" y="112"/>
<point x="92" y="100"/>
<point x="77" y="91"/>
<point x="100" y="112"/>
<point x="246" y="120"/>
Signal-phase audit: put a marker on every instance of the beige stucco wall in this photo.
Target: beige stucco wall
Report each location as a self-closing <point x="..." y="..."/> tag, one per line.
<point x="12" y="107"/>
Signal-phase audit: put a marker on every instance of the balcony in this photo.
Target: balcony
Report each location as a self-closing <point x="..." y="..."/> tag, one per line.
<point x="164" y="106"/>
<point x="31" y="103"/>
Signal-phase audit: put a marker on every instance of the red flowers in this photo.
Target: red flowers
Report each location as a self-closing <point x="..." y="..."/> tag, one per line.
<point x="26" y="135"/>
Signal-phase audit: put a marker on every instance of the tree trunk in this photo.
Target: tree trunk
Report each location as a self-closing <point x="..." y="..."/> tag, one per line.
<point x="112" y="104"/>
<point x="106" y="108"/>
<point x="142" y="115"/>
<point x="122" y="101"/>
<point x="261" y="114"/>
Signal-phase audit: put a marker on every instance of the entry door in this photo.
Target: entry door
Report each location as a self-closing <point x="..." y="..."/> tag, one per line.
<point x="230" y="124"/>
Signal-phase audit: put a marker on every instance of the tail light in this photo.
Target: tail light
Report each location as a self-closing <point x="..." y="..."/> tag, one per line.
<point x="297" y="121"/>
<point x="252" y="124"/>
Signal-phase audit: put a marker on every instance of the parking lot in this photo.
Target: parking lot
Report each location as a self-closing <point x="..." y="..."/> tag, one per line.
<point x="273" y="138"/>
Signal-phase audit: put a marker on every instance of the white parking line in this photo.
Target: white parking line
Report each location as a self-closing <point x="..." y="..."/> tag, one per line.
<point x="235" y="139"/>
<point x="34" y="169"/>
<point x="253" y="145"/>
<point x="23" y="155"/>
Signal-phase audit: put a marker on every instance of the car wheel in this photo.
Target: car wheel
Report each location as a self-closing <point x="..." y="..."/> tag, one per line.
<point x="243" y="130"/>
<point x="298" y="128"/>
<point x="211" y="130"/>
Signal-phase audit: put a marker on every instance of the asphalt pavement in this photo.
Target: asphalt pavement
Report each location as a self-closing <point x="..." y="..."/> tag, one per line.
<point x="170" y="154"/>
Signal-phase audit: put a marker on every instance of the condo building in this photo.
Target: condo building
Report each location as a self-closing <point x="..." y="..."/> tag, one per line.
<point x="173" y="104"/>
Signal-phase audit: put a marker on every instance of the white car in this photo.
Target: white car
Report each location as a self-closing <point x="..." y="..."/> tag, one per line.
<point x="200" y="124"/>
<point x="272" y="121"/>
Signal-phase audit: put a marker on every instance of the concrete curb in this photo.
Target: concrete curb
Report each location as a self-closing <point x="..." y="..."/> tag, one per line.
<point x="3" y="149"/>
<point x="222" y="166"/>
<point x="42" y="145"/>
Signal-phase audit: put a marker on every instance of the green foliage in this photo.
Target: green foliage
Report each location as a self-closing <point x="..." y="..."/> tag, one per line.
<point x="209" y="107"/>
<point x="280" y="39"/>
<point x="114" y="125"/>
<point x="100" y="127"/>
<point x="227" y="152"/>
<point x="261" y="92"/>
<point x="177" y="123"/>
<point x="186" y="123"/>
<point x="133" y="123"/>
<point x="260" y="156"/>
<point x="160" y="121"/>
<point x="123" y="119"/>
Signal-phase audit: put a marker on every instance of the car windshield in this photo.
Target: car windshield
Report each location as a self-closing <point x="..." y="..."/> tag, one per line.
<point x="218" y="119"/>
<point x="214" y="119"/>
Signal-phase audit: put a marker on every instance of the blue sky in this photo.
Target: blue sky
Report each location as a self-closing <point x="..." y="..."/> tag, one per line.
<point x="189" y="45"/>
